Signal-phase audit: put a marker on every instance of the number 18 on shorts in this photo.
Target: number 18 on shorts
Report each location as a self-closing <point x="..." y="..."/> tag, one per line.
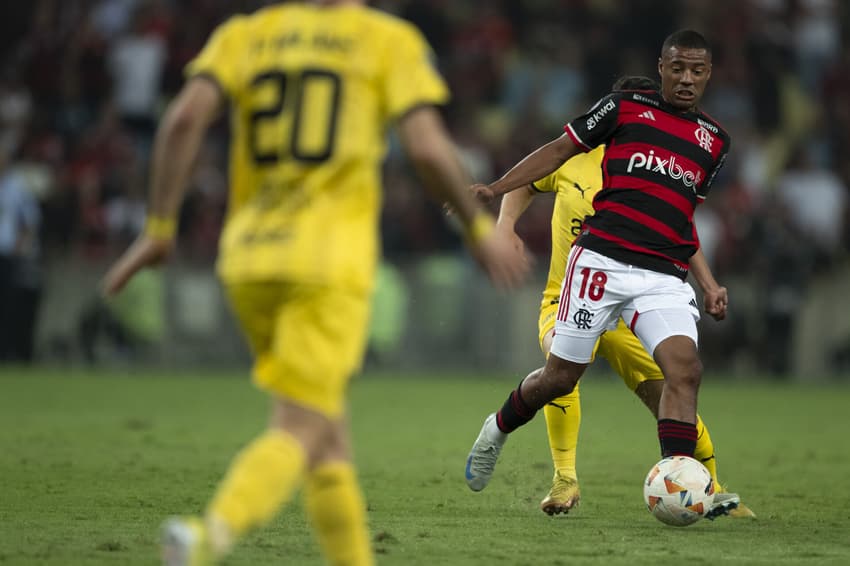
<point x="597" y="290"/>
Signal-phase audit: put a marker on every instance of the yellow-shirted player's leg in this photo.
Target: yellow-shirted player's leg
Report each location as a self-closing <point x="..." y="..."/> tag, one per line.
<point x="267" y="472"/>
<point x="704" y="451"/>
<point x="260" y="480"/>
<point x="563" y="421"/>
<point x="318" y="347"/>
<point x="307" y="342"/>
<point x="334" y="504"/>
<point x="641" y="374"/>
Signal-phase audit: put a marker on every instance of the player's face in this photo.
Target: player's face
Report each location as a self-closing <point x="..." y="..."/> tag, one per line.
<point x="684" y="74"/>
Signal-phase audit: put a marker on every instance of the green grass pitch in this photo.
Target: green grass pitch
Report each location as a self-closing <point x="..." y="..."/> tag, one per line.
<point x="91" y="464"/>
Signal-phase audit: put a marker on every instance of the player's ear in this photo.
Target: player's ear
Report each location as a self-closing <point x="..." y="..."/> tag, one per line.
<point x="660" y="64"/>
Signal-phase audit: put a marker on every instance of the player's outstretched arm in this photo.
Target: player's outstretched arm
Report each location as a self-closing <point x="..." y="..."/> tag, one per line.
<point x="176" y="145"/>
<point x="511" y="209"/>
<point x="514" y="204"/>
<point x="536" y="165"/>
<point x="434" y="155"/>
<point x="716" y="298"/>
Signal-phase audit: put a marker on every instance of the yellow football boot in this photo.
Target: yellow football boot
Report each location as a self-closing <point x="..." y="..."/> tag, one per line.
<point x="563" y="496"/>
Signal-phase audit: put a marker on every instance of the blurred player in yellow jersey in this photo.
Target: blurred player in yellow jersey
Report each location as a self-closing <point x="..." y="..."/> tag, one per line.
<point x="575" y="184"/>
<point x="312" y="88"/>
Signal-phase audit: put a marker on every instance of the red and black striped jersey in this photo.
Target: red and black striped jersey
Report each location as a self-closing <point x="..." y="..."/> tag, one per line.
<point x="658" y="165"/>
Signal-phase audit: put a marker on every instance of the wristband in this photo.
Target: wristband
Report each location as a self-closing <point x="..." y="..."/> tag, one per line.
<point x="481" y="226"/>
<point x="160" y="228"/>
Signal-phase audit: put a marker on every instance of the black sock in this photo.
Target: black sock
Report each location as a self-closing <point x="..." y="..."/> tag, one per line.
<point x="514" y="413"/>
<point x="677" y="438"/>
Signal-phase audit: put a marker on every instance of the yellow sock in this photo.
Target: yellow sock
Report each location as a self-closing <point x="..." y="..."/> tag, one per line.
<point x="704" y="451"/>
<point x="563" y="419"/>
<point x="261" y="478"/>
<point x="334" y="504"/>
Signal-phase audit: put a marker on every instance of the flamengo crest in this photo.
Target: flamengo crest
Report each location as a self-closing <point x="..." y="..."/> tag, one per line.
<point x="704" y="138"/>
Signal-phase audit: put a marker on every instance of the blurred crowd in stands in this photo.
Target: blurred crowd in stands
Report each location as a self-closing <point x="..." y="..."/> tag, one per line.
<point x="83" y="83"/>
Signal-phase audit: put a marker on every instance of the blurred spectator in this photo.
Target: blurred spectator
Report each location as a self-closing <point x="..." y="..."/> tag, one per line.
<point x="86" y="83"/>
<point x="136" y="62"/>
<point x="782" y="271"/>
<point x="20" y="274"/>
<point x="112" y="17"/>
<point x="548" y="81"/>
<point x="816" y="39"/>
<point x="16" y="107"/>
<point x="816" y="201"/>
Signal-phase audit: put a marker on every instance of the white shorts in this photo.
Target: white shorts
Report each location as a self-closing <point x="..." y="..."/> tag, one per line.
<point x="597" y="290"/>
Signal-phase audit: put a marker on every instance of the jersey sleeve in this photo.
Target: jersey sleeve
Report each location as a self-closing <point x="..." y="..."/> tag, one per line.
<point x="411" y="78"/>
<point x="219" y="60"/>
<point x="596" y="127"/>
<point x="547" y="184"/>
<point x="709" y="179"/>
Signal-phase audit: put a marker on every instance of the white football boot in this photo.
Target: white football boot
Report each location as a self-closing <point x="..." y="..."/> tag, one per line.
<point x="482" y="458"/>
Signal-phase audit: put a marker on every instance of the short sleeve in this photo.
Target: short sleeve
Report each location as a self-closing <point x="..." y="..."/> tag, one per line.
<point x="597" y="125"/>
<point x="220" y="57"/>
<point x="547" y="184"/>
<point x="411" y="77"/>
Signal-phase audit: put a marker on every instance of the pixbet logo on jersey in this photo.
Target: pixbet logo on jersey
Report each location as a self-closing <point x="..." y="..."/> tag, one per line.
<point x="667" y="167"/>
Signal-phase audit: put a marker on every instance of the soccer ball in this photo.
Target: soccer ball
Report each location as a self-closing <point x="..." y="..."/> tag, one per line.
<point x="678" y="491"/>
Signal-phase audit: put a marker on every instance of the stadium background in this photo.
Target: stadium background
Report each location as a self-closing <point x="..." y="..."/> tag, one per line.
<point x="83" y="83"/>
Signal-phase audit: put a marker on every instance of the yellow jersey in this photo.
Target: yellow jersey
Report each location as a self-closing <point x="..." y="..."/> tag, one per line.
<point x="312" y="91"/>
<point x="575" y="184"/>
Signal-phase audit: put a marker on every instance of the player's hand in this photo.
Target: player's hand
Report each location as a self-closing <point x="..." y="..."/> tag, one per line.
<point x="482" y="192"/>
<point x="505" y="262"/>
<point x="144" y="252"/>
<point x="716" y="301"/>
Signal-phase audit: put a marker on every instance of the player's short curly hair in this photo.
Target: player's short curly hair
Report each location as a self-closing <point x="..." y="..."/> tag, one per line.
<point x="686" y="38"/>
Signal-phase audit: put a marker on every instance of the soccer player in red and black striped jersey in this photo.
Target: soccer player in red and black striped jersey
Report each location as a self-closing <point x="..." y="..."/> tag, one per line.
<point x="634" y="253"/>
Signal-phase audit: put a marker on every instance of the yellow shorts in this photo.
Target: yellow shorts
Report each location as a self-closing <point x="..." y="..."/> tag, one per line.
<point x="307" y="340"/>
<point x="620" y="347"/>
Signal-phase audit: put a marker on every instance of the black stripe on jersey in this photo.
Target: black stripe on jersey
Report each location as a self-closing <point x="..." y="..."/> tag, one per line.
<point x="662" y="211"/>
<point x="642" y="235"/>
<point x="643" y="134"/>
<point x="614" y="251"/>
<point x="534" y="187"/>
